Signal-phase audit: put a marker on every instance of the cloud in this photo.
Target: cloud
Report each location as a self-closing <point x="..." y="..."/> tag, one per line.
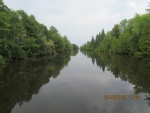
<point x="132" y="4"/>
<point x="80" y="19"/>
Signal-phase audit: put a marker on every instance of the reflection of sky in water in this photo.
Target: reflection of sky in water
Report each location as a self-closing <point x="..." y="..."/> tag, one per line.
<point x="80" y="88"/>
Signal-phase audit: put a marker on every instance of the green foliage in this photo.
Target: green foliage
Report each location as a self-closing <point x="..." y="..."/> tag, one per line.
<point x="3" y="7"/>
<point x="86" y="46"/>
<point x="21" y="36"/>
<point x="115" y="31"/>
<point x="94" y="43"/>
<point x="144" y="45"/>
<point x="127" y="37"/>
<point x="74" y="47"/>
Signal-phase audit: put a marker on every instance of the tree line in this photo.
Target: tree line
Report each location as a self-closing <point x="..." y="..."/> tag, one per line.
<point x="22" y="36"/>
<point x="130" y="37"/>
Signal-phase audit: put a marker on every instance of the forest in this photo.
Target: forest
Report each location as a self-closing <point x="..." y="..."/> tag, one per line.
<point x="22" y="37"/>
<point x="131" y="37"/>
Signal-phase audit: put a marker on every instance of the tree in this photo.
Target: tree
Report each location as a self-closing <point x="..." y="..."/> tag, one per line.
<point x="116" y="31"/>
<point x="53" y="30"/>
<point x="123" y="25"/>
<point x="3" y="7"/>
<point x="148" y="9"/>
<point x="67" y="44"/>
<point x="92" y="42"/>
<point x="128" y="37"/>
<point x="102" y="34"/>
<point x="22" y="36"/>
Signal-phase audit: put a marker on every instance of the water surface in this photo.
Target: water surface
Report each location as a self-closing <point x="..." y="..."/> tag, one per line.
<point x="76" y="84"/>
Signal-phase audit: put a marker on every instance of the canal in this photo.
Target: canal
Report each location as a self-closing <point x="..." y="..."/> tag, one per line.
<point x="78" y="83"/>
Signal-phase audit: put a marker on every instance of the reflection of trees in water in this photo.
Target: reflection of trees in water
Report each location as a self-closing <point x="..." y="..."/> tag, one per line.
<point x="135" y="70"/>
<point x="74" y="52"/>
<point x="20" y="80"/>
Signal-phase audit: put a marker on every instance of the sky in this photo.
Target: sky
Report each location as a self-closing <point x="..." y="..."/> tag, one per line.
<point x="79" y="20"/>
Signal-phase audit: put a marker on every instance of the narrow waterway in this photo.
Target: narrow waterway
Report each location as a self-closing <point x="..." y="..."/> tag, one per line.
<point x="85" y="83"/>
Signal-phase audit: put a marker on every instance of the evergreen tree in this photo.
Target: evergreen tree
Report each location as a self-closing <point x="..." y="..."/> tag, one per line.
<point x="127" y="37"/>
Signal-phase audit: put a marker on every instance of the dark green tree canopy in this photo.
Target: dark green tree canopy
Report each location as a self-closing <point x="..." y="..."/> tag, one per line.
<point x="22" y="36"/>
<point x="115" y="31"/>
<point x="3" y="7"/>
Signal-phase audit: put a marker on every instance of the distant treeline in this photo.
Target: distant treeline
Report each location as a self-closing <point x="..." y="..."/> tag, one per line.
<point x="128" y="37"/>
<point x="21" y="36"/>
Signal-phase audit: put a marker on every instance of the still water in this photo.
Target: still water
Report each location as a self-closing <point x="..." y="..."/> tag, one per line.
<point x="76" y="84"/>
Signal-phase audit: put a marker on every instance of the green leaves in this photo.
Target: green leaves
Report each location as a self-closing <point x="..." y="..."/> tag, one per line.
<point x="3" y="7"/>
<point x="128" y="37"/>
<point x="22" y="36"/>
<point x="144" y="45"/>
<point x="115" y="31"/>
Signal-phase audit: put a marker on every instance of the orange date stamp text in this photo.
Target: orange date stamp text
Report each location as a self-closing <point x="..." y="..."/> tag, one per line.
<point x="122" y="97"/>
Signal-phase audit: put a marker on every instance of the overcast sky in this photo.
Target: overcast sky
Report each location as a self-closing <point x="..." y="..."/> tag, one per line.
<point x="80" y="19"/>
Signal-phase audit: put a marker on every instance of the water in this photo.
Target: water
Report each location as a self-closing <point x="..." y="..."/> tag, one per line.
<point x="76" y="84"/>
